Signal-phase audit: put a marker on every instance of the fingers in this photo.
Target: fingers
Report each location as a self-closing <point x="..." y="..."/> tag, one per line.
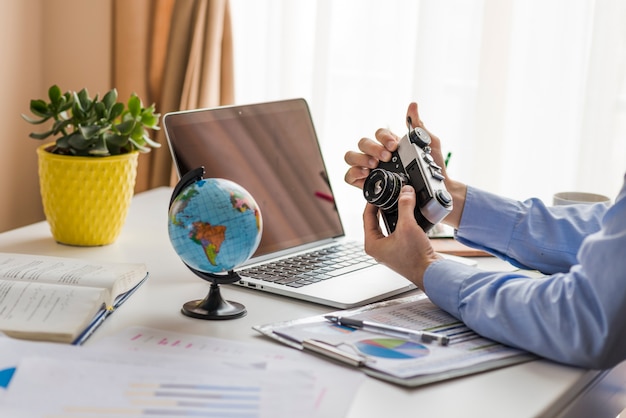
<point x="406" y="207"/>
<point x="360" y="166"/>
<point x="374" y="151"/>
<point x="358" y="159"/>
<point x="379" y="150"/>
<point x="371" y="224"/>
<point x="371" y="153"/>
<point x="390" y="142"/>
<point x="355" y="176"/>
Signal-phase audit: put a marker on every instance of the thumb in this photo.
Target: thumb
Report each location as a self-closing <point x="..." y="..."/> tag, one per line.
<point x="413" y="116"/>
<point x="406" y="205"/>
<point x="371" y="225"/>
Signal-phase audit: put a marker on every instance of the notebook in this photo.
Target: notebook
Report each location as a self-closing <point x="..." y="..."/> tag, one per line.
<point x="272" y="150"/>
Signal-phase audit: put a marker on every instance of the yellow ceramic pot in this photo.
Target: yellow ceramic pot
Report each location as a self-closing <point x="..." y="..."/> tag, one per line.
<point x="86" y="199"/>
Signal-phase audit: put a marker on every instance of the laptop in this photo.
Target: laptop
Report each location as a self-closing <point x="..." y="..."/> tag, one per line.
<point x="271" y="149"/>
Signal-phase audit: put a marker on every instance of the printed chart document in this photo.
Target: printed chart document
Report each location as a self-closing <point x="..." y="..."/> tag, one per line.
<point x="145" y="372"/>
<point x="61" y="299"/>
<point x="404" y="361"/>
<point x="332" y="388"/>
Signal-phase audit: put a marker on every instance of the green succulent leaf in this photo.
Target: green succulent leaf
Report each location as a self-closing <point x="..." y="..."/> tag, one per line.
<point x="64" y="103"/>
<point x="116" y="140"/>
<point x="150" y="142"/>
<point x="62" y="142"/>
<point x="82" y="97"/>
<point x="35" y="121"/>
<point x="59" y="126"/>
<point x="77" y="141"/>
<point x="101" y="111"/>
<point x="137" y="133"/>
<point x="89" y="126"/>
<point x="140" y="147"/>
<point x="126" y="127"/>
<point x="110" y="99"/>
<point x="134" y="105"/>
<point x="99" y="149"/>
<point x="41" y="135"/>
<point x="116" y="111"/>
<point x="149" y="120"/>
<point x="54" y="93"/>
<point x="90" y="131"/>
<point x="77" y="110"/>
<point x="40" y="108"/>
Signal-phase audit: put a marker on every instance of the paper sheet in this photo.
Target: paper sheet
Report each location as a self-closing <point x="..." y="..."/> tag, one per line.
<point x="102" y="378"/>
<point x="98" y="389"/>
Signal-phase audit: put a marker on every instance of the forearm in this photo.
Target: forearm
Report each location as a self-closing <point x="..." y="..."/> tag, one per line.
<point x="561" y="317"/>
<point x="528" y="234"/>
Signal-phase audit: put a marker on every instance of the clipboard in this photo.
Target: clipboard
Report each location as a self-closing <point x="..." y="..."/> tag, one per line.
<point x="392" y="359"/>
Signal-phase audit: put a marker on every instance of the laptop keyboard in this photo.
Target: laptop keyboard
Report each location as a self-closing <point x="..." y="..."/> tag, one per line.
<point x="313" y="267"/>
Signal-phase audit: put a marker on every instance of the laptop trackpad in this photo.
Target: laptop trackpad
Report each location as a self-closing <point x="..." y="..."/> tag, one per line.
<point x="359" y="287"/>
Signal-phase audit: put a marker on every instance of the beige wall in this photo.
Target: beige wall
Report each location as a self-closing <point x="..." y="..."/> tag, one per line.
<point x="43" y="42"/>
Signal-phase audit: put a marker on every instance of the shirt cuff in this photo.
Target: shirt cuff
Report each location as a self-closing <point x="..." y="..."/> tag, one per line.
<point x="483" y="214"/>
<point x="443" y="282"/>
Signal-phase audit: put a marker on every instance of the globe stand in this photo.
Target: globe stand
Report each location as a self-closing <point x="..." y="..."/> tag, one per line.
<point x="213" y="306"/>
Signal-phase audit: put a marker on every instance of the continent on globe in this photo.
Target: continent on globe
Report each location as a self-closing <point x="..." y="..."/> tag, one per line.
<point x="181" y="203"/>
<point x="210" y="237"/>
<point x="242" y="204"/>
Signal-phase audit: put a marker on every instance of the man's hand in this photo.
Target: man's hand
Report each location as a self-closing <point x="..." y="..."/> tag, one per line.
<point x="371" y="152"/>
<point x="407" y="250"/>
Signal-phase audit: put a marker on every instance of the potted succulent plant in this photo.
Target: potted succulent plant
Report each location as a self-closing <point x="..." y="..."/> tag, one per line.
<point x="87" y="175"/>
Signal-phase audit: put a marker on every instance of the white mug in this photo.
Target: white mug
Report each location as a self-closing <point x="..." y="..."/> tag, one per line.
<point x="569" y="198"/>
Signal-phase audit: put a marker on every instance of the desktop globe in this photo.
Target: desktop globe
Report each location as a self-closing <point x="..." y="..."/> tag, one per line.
<point x="214" y="226"/>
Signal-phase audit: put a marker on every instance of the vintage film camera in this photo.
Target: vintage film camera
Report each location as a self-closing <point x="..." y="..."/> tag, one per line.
<point x="410" y="164"/>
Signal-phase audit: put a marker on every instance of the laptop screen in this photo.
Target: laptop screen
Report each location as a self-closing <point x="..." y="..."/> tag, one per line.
<point x="270" y="149"/>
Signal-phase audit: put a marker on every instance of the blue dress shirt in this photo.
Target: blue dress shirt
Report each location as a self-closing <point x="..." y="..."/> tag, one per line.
<point x="576" y="313"/>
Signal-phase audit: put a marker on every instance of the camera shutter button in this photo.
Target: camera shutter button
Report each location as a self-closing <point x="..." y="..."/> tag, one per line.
<point x="444" y="198"/>
<point x="419" y="137"/>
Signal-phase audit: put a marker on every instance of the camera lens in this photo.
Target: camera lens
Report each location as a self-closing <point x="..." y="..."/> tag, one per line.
<point x="382" y="188"/>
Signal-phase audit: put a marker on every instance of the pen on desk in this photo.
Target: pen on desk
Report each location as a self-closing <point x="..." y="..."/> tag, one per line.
<point x="423" y="336"/>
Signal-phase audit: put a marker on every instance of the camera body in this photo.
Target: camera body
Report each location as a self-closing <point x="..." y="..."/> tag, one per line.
<point x="410" y="164"/>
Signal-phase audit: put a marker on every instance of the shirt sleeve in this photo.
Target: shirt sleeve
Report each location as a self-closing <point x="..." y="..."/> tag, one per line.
<point x="574" y="315"/>
<point x="528" y="234"/>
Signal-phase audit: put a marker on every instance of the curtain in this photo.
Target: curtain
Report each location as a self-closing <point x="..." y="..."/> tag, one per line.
<point x="176" y="54"/>
<point x="529" y="96"/>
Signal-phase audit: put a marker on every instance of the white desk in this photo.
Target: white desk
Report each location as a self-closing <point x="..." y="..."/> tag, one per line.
<point x="538" y="388"/>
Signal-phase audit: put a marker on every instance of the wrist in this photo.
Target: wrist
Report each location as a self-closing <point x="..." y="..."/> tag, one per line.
<point x="458" y="191"/>
<point x="427" y="259"/>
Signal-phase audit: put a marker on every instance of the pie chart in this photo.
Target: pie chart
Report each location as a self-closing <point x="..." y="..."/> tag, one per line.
<point x="391" y="348"/>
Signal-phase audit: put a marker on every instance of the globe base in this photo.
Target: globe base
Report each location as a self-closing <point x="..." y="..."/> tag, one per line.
<point x="213" y="306"/>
